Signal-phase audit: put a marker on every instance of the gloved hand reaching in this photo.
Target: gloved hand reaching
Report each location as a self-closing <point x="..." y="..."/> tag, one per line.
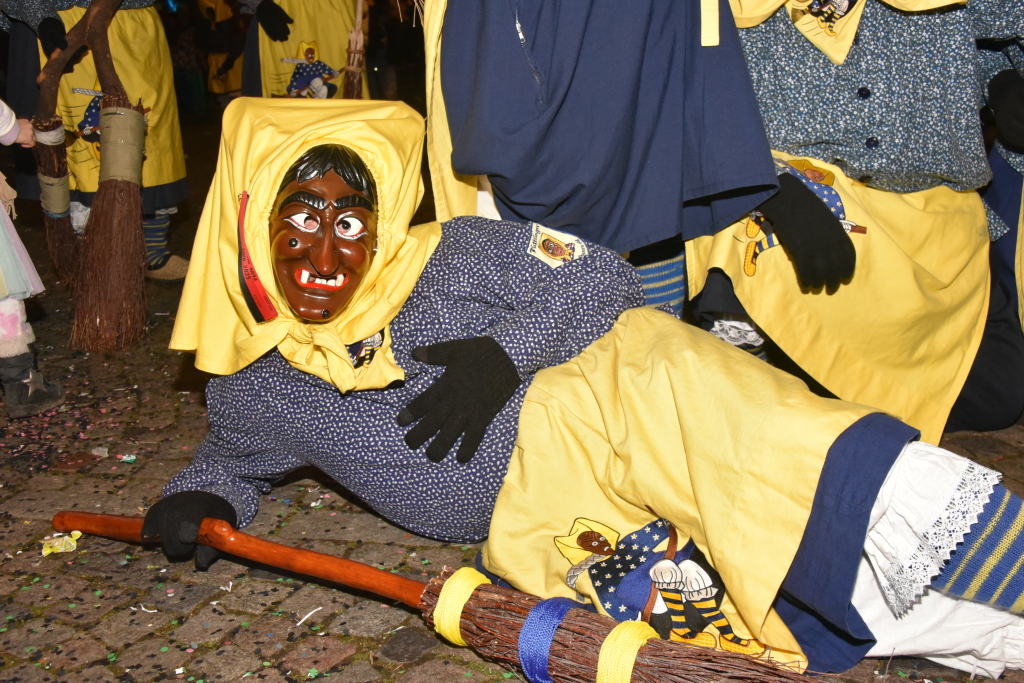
<point x="52" y="35"/>
<point x="478" y="380"/>
<point x="176" y="519"/>
<point x="1006" y="102"/>
<point x="274" y="20"/>
<point x="815" y="240"/>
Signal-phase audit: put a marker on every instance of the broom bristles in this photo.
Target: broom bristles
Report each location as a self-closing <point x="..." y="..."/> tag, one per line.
<point x="494" y="617"/>
<point x="61" y="242"/>
<point x="110" y="289"/>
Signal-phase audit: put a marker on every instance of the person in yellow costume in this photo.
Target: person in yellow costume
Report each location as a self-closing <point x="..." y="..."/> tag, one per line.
<point x="226" y="43"/>
<point x="883" y="294"/>
<point x="277" y="43"/>
<point x="143" y="62"/>
<point x="468" y="384"/>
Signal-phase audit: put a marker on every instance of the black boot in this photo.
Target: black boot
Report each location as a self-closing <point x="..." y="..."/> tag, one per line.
<point x="25" y="391"/>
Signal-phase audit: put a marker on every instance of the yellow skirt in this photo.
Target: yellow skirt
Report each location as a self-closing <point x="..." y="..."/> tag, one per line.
<point x="143" y="62"/>
<point x="903" y="334"/>
<point x="320" y="24"/>
<point x="660" y="421"/>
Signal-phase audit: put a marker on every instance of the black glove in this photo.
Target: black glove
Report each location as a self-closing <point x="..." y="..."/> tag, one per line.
<point x="478" y="380"/>
<point x="52" y="35"/>
<point x="176" y="519"/>
<point x="274" y="20"/>
<point x="815" y="240"/>
<point x="1006" y="102"/>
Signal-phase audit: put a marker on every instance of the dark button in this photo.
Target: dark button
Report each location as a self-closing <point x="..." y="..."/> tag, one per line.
<point x="863" y="93"/>
<point x="871" y="142"/>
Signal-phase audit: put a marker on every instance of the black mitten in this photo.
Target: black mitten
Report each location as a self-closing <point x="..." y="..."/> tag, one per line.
<point x="1006" y="101"/>
<point x="274" y="20"/>
<point x="52" y="35"/>
<point x="822" y="252"/>
<point x="478" y="380"/>
<point x="176" y="519"/>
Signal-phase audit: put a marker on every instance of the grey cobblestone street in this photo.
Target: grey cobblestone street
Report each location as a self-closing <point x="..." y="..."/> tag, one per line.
<point x="112" y="611"/>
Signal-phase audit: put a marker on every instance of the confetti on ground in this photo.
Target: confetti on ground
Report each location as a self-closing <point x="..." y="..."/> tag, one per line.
<point x="64" y="544"/>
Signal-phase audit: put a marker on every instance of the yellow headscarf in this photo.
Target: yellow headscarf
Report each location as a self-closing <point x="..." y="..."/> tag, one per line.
<point x="261" y="139"/>
<point x="833" y="38"/>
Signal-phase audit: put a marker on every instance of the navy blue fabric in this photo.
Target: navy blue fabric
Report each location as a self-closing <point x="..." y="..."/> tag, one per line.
<point x="537" y="634"/>
<point x="612" y="124"/>
<point x="1003" y="195"/>
<point x="814" y="601"/>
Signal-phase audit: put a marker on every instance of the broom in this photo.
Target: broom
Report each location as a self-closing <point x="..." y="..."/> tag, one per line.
<point x="490" y="621"/>
<point x="51" y="158"/>
<point x="354" y="69"/>
<point x="110" y="296"/>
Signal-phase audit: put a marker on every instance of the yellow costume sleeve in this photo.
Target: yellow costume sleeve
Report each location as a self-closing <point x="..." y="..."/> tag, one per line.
<point x="454" y="195"/>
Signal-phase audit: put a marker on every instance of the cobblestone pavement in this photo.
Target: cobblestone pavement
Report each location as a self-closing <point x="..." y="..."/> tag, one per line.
<point x="116" y="611"/>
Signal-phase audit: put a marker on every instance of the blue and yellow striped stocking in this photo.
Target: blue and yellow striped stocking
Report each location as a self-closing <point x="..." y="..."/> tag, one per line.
<point x="664" y="282"/>
<point x="155" y="229"/>
<point x="986" y="567"/>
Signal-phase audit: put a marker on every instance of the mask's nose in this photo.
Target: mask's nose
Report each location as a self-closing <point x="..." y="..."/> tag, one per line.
<point x="323" y="255"/>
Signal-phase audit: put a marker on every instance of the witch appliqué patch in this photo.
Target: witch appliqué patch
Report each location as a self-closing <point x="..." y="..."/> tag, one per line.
<point x="674" y="589"/>
<point x="554" y="247"/>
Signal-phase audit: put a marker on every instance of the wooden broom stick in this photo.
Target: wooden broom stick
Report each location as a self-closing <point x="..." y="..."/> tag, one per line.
<point x="491" y="620"/>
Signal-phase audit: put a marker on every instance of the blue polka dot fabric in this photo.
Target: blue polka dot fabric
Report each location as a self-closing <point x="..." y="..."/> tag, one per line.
<point x="270" y="418"/>
<point x="901" y="113"/>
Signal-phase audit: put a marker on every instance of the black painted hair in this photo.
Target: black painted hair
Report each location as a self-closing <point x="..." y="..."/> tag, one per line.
<point x="316" y="162"/>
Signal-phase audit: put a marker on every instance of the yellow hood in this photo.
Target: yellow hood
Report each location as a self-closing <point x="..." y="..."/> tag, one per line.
<point x="232" y="311"/>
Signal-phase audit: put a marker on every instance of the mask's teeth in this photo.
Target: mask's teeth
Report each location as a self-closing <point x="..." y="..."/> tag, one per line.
<point x="305" y="276"/>
<point x="333" y="282"/>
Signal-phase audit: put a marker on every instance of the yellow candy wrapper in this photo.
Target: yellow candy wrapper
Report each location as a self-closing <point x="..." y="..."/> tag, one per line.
<point x="62" y="544"/>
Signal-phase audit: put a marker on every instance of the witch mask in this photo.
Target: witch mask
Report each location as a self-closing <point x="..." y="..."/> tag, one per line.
<point x="323" y="231"/>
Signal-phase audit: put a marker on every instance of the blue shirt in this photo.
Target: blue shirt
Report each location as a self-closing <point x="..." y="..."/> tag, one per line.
<point x="270" y="418"/>
<point x="901" y="113"/>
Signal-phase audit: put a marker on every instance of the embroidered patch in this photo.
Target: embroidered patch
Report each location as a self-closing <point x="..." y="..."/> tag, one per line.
<point x="363" y="352"/>
<point x="553" y="247"/>
<point x="676" y="590"/>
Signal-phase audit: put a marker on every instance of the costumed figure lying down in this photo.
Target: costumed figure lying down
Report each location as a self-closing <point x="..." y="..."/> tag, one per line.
<point x="610" y="453"/>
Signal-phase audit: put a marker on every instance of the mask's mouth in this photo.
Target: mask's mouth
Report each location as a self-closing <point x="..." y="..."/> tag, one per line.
<point x="307" y="279"/>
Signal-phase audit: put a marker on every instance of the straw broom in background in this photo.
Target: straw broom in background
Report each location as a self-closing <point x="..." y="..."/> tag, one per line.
<point x="491" y="620"/>
<point x="110" y="295"/>
<point x="353" y="88"/>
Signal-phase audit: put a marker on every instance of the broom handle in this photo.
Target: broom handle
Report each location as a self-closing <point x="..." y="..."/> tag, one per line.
<point x="220" y="535"/>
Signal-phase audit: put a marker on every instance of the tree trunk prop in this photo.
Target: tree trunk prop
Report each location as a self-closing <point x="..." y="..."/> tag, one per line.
<point x="109" y="277"/>
<point x="354" y="68"/>
<point x="491" y="620"/>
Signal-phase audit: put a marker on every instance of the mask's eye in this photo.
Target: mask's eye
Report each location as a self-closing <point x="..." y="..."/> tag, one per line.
<point x="303" y="221"/>
<point x="350" y="227"/>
